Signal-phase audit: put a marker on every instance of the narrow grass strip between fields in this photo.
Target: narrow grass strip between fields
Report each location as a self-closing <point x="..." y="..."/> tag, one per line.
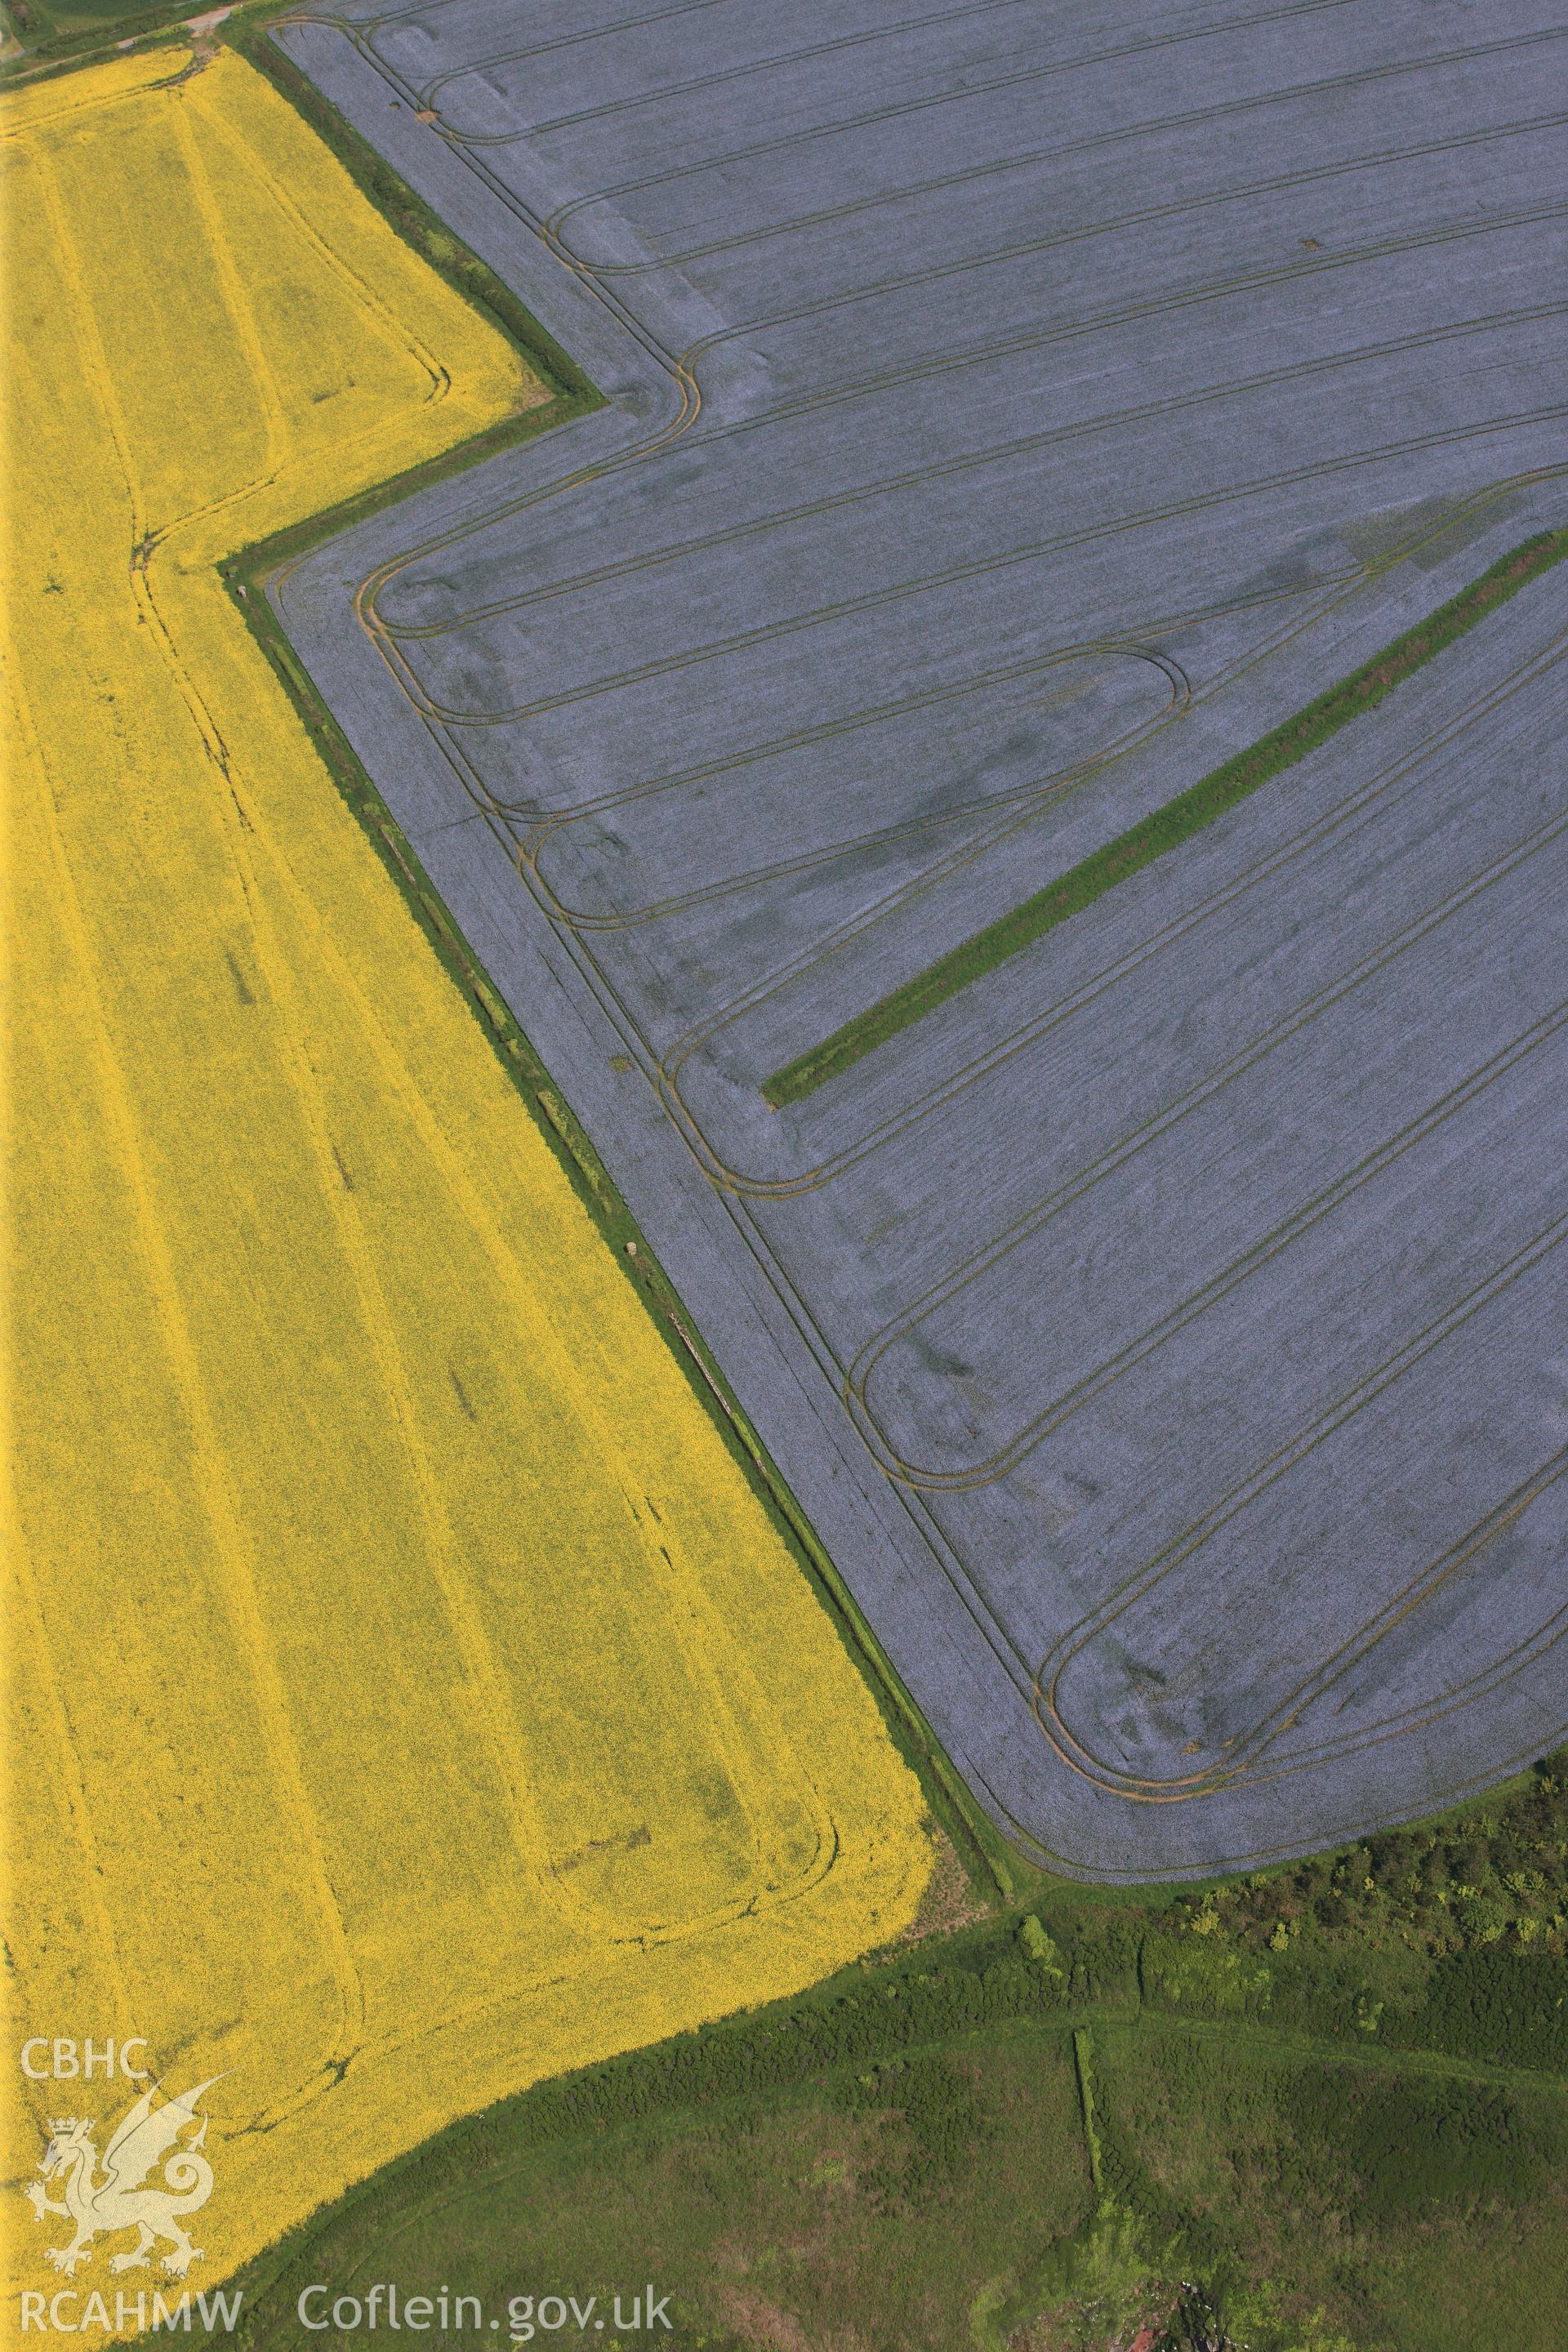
<point x="1180" y="818"/>
<point x="988" y="1862"/>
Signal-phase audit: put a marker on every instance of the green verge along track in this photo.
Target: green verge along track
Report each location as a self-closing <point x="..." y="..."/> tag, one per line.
<point x="1232" y="781"/>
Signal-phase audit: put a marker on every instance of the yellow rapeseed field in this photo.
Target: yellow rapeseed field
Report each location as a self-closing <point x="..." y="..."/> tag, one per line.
<point x="406" y="1696"/>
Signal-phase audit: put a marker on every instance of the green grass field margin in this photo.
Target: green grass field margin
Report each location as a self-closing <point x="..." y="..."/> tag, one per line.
<point x="46" y="56"/>
<point x="45" y="42"/>
<point x="973" y="1986"/>
<point x="995" y="1871"/>
<point x="1163" y="831"/>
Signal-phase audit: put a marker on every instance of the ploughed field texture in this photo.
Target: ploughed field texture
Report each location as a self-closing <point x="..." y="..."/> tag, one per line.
<point x="1017" y="413"/>
<point x="407" y="1697"/>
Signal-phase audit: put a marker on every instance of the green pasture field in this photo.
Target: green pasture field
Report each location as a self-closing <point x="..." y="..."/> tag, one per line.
<point x="66" y="27"/>
<point x="56" y="35"/>
<point x="1321" y="2108"/>
<point x="1180" y="818"/>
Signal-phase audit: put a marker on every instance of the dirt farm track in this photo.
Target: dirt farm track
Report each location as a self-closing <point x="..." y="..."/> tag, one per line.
<point x="1015" y="409"/>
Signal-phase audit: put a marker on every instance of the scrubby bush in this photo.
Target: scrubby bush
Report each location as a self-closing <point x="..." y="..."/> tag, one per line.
<point x="942" y="2121"/>
<point x="1494" y="1874"/>
<point x="1398" y="2146"/>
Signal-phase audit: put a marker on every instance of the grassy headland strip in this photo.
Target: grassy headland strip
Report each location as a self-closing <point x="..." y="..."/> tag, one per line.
<point x="1175" y="823"/>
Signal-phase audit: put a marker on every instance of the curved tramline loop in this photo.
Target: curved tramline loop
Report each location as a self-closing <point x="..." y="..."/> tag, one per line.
<point x="826" y="731"/>
<point x="1248" y="1757"/>
<point x="1011" y="819"/>
<point x="1389" y="1815"/>
<point x="995" y="1634"/>
<point x="731" y="1179"/>
<point x="721" y="1171"/>
<point x="1253" y="1766"/>
<point x="545" y="827"/>
<point x="689" y="361"/>
<point x="946" y="470"/>
<point x="1352" y="811"/>
<point x="959" y="1278"/>
<point x="1038" y="793"/>
<point x="761" y="1184"/>
<point x="839" y="392"/>
<point x="1262" y="1248"/>
<point x="681" y="371"/>
<point x="985" y="567"/>
<point x="474" y="786"/>
<point x="551" y="1889"/>
<point x="1246" y="1749"/>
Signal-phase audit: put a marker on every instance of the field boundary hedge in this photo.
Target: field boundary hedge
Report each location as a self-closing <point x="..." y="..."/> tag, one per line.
<point x="986" y="1861"/>
<point x="991" y="1868"/>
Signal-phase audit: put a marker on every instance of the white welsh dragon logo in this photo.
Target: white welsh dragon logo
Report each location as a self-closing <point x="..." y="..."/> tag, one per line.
<point x="119" y="2201"/>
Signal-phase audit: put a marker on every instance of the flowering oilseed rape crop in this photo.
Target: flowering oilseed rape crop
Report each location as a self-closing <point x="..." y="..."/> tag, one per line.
<point x="408" y="1698"/>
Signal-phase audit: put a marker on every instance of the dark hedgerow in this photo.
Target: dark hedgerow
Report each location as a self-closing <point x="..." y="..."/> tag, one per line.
<point x="986" y="1861"/>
